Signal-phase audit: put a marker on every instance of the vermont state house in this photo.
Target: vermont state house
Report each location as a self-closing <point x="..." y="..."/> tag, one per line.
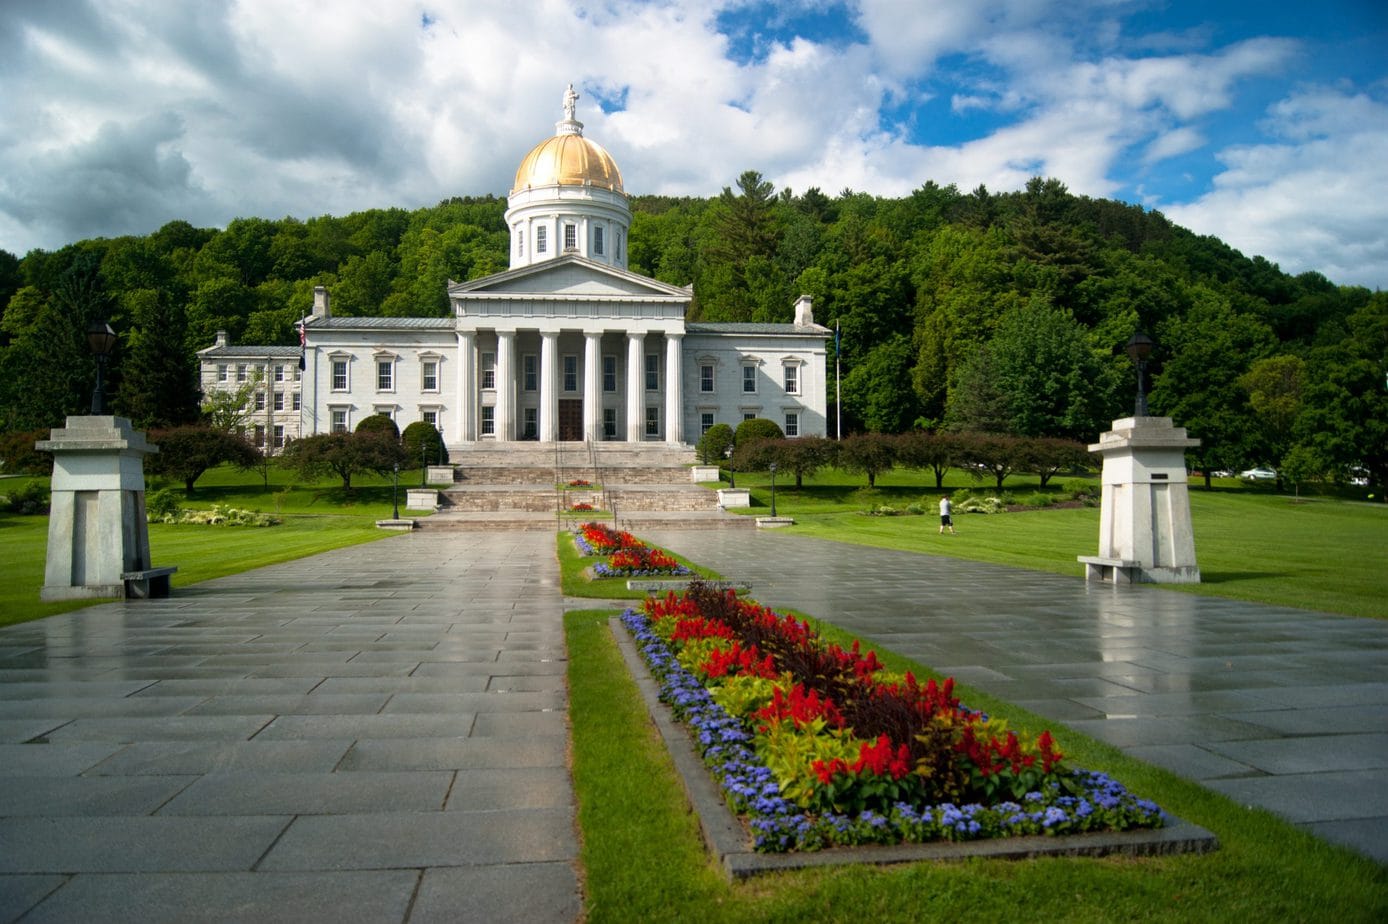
<point x="566" y="345"/>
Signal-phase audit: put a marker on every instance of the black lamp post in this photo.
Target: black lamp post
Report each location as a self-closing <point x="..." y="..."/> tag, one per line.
<point x="101" y="340"/>
<point x="395" y="494"/>
<point x="773" y="489"/>
<point x="423" y="461"/>
<point x="1138" y="349"/>
<point x="732" y="467"/>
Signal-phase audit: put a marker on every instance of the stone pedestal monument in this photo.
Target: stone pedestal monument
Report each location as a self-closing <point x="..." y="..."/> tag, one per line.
<point x="1145" y="532"/>
<point x="98" y="537"/>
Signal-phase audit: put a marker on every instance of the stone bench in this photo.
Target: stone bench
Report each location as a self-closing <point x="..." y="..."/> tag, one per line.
<point x="1111" y="570"/>
<point x="660" y="587"/>
<point x="147" y="584"/>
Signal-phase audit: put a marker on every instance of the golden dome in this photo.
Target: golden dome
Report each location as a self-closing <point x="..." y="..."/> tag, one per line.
<point x="568" y="159"/>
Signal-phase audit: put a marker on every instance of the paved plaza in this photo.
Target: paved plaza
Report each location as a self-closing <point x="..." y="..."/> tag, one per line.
<point x="373" y="734"/>
<point x="1275" y="707"/>
<point x="379" y="733"/>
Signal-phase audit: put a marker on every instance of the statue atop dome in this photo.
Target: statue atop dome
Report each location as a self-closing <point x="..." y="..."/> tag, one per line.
<point x="570" y="104"/>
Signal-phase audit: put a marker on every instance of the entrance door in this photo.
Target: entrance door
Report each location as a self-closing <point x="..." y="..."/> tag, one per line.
<point x="571" y="420"/>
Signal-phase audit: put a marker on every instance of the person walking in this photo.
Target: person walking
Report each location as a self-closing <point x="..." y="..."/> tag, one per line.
<point x="946" y="521"/>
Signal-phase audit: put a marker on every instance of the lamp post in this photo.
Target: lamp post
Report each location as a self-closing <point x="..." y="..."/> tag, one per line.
<point x="101" y="340"/>
<point x="423" y="461"/>
<point x="1138" y="349"/>
<point x="395" y="494"/>
<point x="732" y="467"/>
<point x="773" y="489"/>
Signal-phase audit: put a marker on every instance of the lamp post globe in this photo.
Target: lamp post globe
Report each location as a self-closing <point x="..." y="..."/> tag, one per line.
<point x="101" y="340"/>
<point x="1139" y="348"/>
<point x="773" y="489"/>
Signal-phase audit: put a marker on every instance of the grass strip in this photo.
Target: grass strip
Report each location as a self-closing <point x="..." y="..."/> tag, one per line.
<point x="575" y="582"/>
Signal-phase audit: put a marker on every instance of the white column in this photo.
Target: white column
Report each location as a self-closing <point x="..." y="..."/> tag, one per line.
<point x="505" y="385"/>
<point x="674" y="389"/>
<point x="592" y="386"/>
<point x="549" y="386"/>
<point x="465" y="387"/>
<point x="636" y="384"/>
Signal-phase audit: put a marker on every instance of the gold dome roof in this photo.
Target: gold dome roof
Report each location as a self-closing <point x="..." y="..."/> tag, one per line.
<point x="568" y="159"/>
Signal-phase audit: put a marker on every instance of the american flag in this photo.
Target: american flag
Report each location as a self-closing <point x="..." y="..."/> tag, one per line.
<point x="303" y="342"/>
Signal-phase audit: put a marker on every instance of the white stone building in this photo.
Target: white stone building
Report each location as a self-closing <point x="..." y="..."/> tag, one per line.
<point x="566" y="345"/>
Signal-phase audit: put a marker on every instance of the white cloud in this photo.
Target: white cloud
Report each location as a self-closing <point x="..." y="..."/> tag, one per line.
<point x="1314" y="200"/>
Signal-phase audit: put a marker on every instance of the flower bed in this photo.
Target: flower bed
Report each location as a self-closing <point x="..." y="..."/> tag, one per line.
<point x="817" y="746"/>
<point x="627" y="555"/>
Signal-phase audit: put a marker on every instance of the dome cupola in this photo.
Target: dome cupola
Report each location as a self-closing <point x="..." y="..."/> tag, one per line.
<point x="568" y="199"/>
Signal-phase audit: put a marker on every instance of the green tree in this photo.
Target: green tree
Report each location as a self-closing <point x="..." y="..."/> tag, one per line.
<point x="715" y="443"/>
<point x="878" y="389"/>
<point x="937" y="452"/>
<point x="1274" y="386"/>
<point x="422" y="440"/>
<point x="185" y="453"/>
<point x="870" y="454"/>
<point x="379" y="424"/>
<point x="802" y="456"/>
<point x="343" y="454"/>
<point x="159" y="385"/>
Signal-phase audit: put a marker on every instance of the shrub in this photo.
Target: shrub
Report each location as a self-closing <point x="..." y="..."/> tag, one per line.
<point x="980" y="505"/>
<point x="29" y="498"/>
<point x="380" y="423"/>
<point x="162" y="506"/>
<point x="1079" y="489"/>
<point x="19" y="457"/>
<point x="758" y="428"/>
<point x="422" y="440"/>
<point x="714" y="444"/>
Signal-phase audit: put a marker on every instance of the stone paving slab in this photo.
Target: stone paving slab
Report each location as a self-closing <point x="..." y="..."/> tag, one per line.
<point x="340" y="738"/>
<point x="291" y="898"/>
<point x="1246" y="698"/>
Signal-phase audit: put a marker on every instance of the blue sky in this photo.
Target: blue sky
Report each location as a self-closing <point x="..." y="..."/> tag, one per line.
<point x="1265" y="124"/>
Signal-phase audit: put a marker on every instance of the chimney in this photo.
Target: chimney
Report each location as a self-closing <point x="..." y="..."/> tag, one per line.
<point x="222" y="339"/>
<point x="804" y="311"/>
<point x="321" y="302"/>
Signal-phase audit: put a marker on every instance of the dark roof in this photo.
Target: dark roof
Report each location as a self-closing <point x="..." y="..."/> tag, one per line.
<point x="250" y="352"/>
<point x="381" y="324"/>
<point x="734" y="327"/>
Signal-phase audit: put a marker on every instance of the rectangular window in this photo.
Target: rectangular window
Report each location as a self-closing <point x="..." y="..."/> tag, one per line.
<point x="241" y="372"/>
<point x="609" y="373"/>
<point x="222" y="372"/>
<point x="541" y="239"/>
<point x="706" y="378"/>
<point x="385" y="375"/>
<point x="260" y="401"/>
<point x="705" y="422"/>
<point x="339" y="375"/>
<point x="530" y="418"/>
<point x="279" y="373"/>
<point x="792" y="380"/>
<point x="609" y="423"/>
<point x="279" y="436"/>
<point x="279" y="401"/>
<point x="570" y="237"/>
<point x="570" y="373"/>
<point x="749" y="415"/>
<point x="384" y="410"/>
<point x="652" y="420"/>
<point x="339" y="424"/>
<point x="749" y="380"/>
<point x="298" y="373"/>
<point x="489" y="370"/>
<point x="597" y="240"/>
<point x="259" y="437"/>
<point x="429" y="375"/>
<point x="792" y="424"/>
<point x="298" y="402"/>
<point x="520" y="243"/>
<point x="652" y="372"/>
<point x="430" y="417"/>
<point x="529" y="377"/>
<point x="488" y="420"/>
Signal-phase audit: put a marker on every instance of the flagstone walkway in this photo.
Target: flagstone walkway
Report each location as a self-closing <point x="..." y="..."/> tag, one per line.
<point x="1275" y="707"/>
<point x="373" y="734"/>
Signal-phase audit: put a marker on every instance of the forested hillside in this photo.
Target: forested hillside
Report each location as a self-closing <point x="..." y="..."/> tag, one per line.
<point x="968" y="311"/>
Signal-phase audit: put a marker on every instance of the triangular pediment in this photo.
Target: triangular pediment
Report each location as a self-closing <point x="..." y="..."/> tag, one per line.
<point x="569" y="275"/>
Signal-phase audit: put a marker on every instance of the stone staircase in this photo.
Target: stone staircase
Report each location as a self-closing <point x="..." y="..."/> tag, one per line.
<point x="519" y="486"/>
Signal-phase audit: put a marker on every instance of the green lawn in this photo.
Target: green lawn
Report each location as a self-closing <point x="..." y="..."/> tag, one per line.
<point x="1324" y="553"/>
<point x="644" y="858"/>
<point x="317" y="517"/>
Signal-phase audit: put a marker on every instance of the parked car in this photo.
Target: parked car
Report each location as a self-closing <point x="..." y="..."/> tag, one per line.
<point x="1258" y="474"/>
